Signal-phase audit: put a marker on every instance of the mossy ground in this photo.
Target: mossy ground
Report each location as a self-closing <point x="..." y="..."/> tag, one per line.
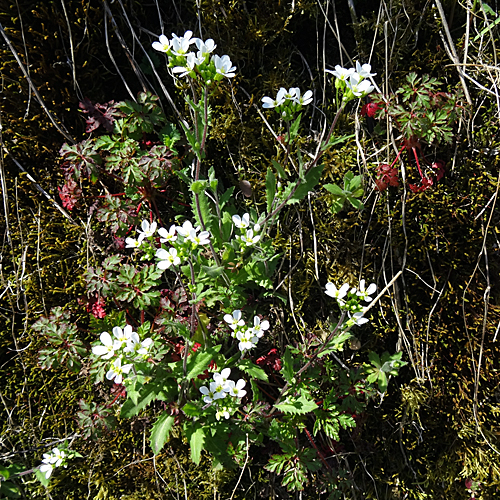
<point x="439" y="423"/>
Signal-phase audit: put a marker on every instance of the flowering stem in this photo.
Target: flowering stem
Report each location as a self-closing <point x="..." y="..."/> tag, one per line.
<point x="312" y="165"/>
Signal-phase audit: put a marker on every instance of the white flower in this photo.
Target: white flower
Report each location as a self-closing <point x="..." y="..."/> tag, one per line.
<point x="180" y="45"/>
<point x="107" y="350"/>
<point x="259" y="327"/>
<point x="365" y="294"/>
<point x="191" y="61"/>
<point x="256" y="228"/>
<point x="117" y="370"/>
<point x="58" y="457"/>
<point x="167" y="258"/>
<point x="249" y="239"/>
<point x="200" y="239"/>
<point x="148" y="230"/>
<point x="359" y="87"/>
<point x="236" y="390"/>
<point x="247" y="340"/>
<point x="47" y="469"/>
<point x="135" y="346"/>
<point x="186" y="228"/>
<point x="204" y="47"/>
<point x="364" y="70"/>
<point x="222" y="377"/>
<point x="358" y="318"/>
<point x="163" y="45"/>
<point x="167" y="236"/>
<point x="215" y="392"/>
<point x="305" y="99"/>
<point x="341" y="73"/>
<point x="235" y="320"/>
<point x="132" y="243"/>
<point x="332" y="291"/>
<point x="223" y="66"/>
<point x="280" y="99"/>
<point x="241" y="222"/>
<point x="292" y="94"/>
<point x="122" y="336"/>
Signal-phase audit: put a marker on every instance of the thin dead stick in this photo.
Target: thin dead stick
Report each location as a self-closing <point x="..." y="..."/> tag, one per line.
<point x="453" y="50"/>
<point x="40" y="188"/>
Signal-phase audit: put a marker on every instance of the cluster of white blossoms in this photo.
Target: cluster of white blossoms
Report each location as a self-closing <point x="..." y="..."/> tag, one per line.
<point x="184" y="239"/>
<point x="184" y="62"/>
<point x="148" y="231"/>
<point x="349" y="299"/>
<point x="247" y="238"/>
<point x="126" y="345"/>
<point x="248" y="337"/>
<point x="220" y="387"/>
<point x="52" y="460"/>
<point x="353" y="82"/>
<point x="288" y="102"/>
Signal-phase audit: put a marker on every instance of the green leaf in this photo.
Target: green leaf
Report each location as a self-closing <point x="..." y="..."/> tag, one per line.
<point x="298" y="407"/>
<point x="334" y="189"/>
<point x="294" y="129"/>
<point x="287" y="369"/>
<point x="196" y="441"/>
<point x="270" y="189"/>
<point x="199" y="361"/>
<point x="252" y="369"/>
<point x="355" y="203"/>
<point x="160" y="432"/>
<point x="279" y="169"/>
<point x="312" y="179"/>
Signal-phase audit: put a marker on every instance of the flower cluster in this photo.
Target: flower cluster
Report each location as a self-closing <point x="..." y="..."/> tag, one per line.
<point x="125" y="345"/>
<point x="148" y="231"/>
<point x="247" y="238"/>
<point x="184" y="239"/>
<point x="52" y="460"/>
<point x="248" y="337"/>
<point x="183" y="62"/>
<point x="287" y="102"/>
<point x="349" y="299"/>
<point x="219" y="388"/>
<point x="353" y="82"/>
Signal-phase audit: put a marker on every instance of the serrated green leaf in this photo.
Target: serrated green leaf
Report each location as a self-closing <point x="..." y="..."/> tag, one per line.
<point x="161" y="431"/>
<point x="252" y="369"/>
<point x="298" y="407"/>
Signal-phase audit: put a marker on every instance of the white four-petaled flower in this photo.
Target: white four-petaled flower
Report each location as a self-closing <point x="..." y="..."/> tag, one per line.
<point x="259" y="327"/>
<point x="117" y="370"/>
<point x="236" y="390"/>
<point x="359" y="87"/>
<point x="163" y="45"/>
<point x="167" y="236"/>
<point x="234" y="320"/>
<point x="365" y="294"/>
<point x="247" y="340"/>
<point x="339" y="294"/>
<point x="167" y="258"/>
<point x="364" y="71"/>
<point x="148" y="230"/>
<point x="107" y="350"/>
<point x="132" y="243"/>
<point x="223" y="66"/>
<point x="341" y="73"/>
<point x="180" y="45"/>
<point x="241" y="222"/>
